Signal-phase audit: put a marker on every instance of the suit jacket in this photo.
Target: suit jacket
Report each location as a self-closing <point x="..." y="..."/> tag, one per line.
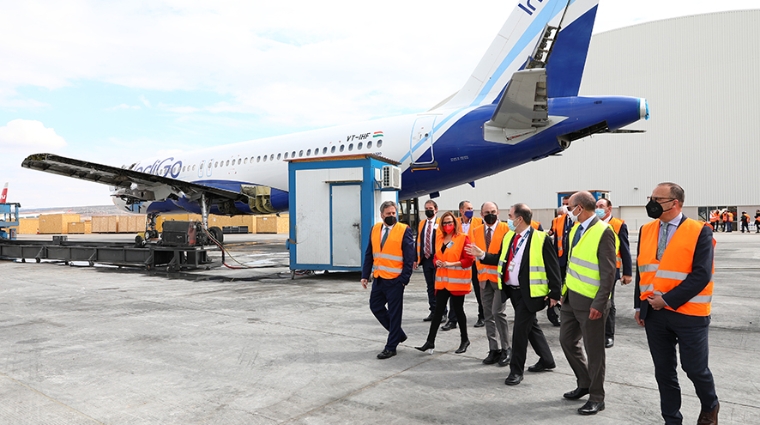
<point x="625" y="252"/>
<point x="523" y="276"/>
<point x="607" y="256"/>
<point x="410" y="256"/>
<point x="695" y="282"/>
<point x="421" y="241"/>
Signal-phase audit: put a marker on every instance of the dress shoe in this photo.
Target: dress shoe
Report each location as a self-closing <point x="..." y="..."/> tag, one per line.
<point x="449" y="326"/>
<point x="609" y="343"/>
<point x="402" y="339"/>
<point x="513" y="379"/>
<point x="540" y="367"/>
<point x="576" y="393"/>
<point x="463" y="347"/>
<point x="493" y="357"/>
<point x="709" y="418"/>
<point x="591" y="408"/>
<point x="505" y="357"/>
<point x="429" y="318"/>
<point x="386" y="354"/>
<point x="427" y="347"/>
<point x="480" y="323"/>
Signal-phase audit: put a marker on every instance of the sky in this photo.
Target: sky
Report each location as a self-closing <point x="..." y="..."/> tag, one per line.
<point x="115" y="82"/>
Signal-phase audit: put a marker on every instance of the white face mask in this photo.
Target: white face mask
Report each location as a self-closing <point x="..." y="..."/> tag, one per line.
<point x="573" y="217"/>
<point x="562" y="210"/>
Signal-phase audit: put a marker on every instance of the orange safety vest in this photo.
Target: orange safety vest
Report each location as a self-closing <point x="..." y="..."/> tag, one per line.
<point x="661" y="276"/>
<point x="452" y="278"/>
<point x="474" y="222"/>
<point x="485" y="271"/>
<point x="421" y="241"/>
<point x="535" y="224"/>
<point x="730" y="217"/>
<point x="558" y="227"/>
<point x="616" y="224"/>
<point x="725" y="217"/>
<point x="714" y="216"/>
<point x="757" y="219"/>
<point x="746" y="217"/>
<point x="388" y="262"/>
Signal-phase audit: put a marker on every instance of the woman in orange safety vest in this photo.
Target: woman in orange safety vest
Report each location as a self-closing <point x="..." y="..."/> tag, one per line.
<point x="453" y="279"/>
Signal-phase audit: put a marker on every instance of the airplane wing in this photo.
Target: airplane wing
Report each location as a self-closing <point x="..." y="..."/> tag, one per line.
<point x="132" y="184"/>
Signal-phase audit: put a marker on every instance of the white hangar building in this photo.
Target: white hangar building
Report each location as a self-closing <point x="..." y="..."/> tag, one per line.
<point x="701" y="77"/>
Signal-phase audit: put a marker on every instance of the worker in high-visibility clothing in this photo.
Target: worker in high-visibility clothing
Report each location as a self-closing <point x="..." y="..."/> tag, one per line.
<point x="714" y="219"/>
<point x="389" y="258"/>
<point x="673" y="298"/>
<point x="560" y="229"/>
<point x="745" y="221"/>
<point x="528" y="275"/>
<point x="730" y="223"/>
<point x="591" y="267"/>
<point x="604" y="212"/>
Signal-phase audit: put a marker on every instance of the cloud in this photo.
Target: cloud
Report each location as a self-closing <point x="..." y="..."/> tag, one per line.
<point x="29" y="135"/>
<point x="122" y="106"/>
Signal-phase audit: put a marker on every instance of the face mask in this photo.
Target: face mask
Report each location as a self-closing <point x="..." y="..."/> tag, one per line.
<point x="448" y="228"/>
<point x="654" y="209"/>
<point x="572" y="216"/>
<point x="429" y="213"/>
<point x="511" y="224"/>
<point x="600" y="212"/>
<point x="490" y="219"/>
<point x="390" y="220"/>
<point x="563" y="210"/>
<point x="468" y="214"/>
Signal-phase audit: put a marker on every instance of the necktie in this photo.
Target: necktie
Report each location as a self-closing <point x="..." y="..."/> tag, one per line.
<point x="385" y="236"/>
<point x="663" y="241"/>
<point x="488" y="237"/>
<point x="512" y="251"/>
<point x="427" y="239"/>
<point x="577" y="236"/>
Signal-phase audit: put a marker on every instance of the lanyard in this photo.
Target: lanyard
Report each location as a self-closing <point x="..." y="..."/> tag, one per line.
<point x="516" y="249"/>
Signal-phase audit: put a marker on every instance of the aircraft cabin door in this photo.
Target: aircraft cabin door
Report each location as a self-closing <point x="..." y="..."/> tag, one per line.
<point x="421" y="143"/>
<point x="346" y="225"/>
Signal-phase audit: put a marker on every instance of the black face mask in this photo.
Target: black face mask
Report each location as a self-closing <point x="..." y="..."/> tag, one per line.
<point x="390" y="220"/>
<point x="490" y="219"/>
<point x="429" y="213"/>
<point x="654" y="209"/>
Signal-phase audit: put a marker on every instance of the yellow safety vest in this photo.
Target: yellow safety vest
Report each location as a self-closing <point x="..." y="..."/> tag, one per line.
<point x="539" y="282"/>
<point x="583" y="276"/>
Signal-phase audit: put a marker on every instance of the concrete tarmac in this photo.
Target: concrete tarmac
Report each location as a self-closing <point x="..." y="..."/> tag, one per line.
<point x="100" y="345"/>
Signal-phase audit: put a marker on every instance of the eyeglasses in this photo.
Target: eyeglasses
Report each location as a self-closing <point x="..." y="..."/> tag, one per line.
<point x="447" y="222"/>
<point x="660" y="200"/>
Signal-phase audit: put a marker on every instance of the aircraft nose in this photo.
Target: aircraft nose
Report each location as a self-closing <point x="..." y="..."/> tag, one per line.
<point x="643" y="108"/>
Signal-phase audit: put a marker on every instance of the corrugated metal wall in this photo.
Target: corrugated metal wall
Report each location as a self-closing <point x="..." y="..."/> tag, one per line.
<point x="701" y="76"/>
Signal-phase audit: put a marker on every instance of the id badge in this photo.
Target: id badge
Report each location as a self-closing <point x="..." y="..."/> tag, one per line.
<point x="511" y="266"/>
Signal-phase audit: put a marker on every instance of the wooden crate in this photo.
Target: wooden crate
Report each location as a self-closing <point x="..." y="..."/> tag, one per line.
<point x="131" y="224"/>
<point x="76" y="228"/>
<point x="28" y="226"/>
<point x="272" y="224"/>
<point x="56" y="223"/>
<point x="105" y="224"/>
<point x="87" y="227"/>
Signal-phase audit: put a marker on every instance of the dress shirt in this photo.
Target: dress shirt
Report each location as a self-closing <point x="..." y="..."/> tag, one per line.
<point x="672" y="228"/>
<point x="517" y="259"/>
<point x="466" y="226"/>
<point x="585" y="225"/>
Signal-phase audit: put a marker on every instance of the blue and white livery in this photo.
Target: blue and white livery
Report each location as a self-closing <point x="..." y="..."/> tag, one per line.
<point x="520" y="104"/>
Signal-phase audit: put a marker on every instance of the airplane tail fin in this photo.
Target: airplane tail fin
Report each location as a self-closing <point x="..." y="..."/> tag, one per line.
<point x="517" y="43"/>
<point x="4" y="195"/>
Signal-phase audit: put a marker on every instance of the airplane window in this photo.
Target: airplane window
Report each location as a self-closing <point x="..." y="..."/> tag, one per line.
<point x="332" y="149"/>
<point x="265" y="158"/>
<point x="308" y="152"/>
<point x="350" y="146"/>
<point x="245" y="161"/>
<point x="193" y="167"/>
<point x="379" y="143"/>
<point x="286" y="155"/>
<point x="258" y="159"/>
<point x="342" y="147"/>
<point x="216" y="164"/>
<point x="279" y="155"/>
<point x="293" y="155"/>
<point x="271" y="158"/>
<point x="369" y="144"/>
<point x="324" y="150"/>
<point x="300" y="153"/>
<point x="358" y="145"/>
<point x="228" y="162"/>
<point x="316" y="151"/>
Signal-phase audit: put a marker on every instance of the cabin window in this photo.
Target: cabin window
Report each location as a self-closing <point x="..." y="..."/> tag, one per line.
<point x="216" y="164"/>
<point x="245" y="161"/>
<point x="258" y="159"/>
<point x="265" y="158"/>
<point x="369" y="144"/>
<point x="271" y="157"/>
<point x="380" y="143"/>
<point x="358" y="145"/>
<point x="279" y="155"/>
<point x="332" y="149"/>
<point x="350" y="146"/>
<point x="286" y="155"/>
<point x="324" y="150"/>
<point x="342" y="147"/>
<point x="308" y="152"/>
<point x="300" y="153"/>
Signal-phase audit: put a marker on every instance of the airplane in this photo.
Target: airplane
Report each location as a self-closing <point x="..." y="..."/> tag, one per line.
<point x="4" y="195"/>
<point x="520" y="104"/>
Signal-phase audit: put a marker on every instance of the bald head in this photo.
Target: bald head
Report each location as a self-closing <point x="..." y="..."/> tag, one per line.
<point x="585" y="200"/>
